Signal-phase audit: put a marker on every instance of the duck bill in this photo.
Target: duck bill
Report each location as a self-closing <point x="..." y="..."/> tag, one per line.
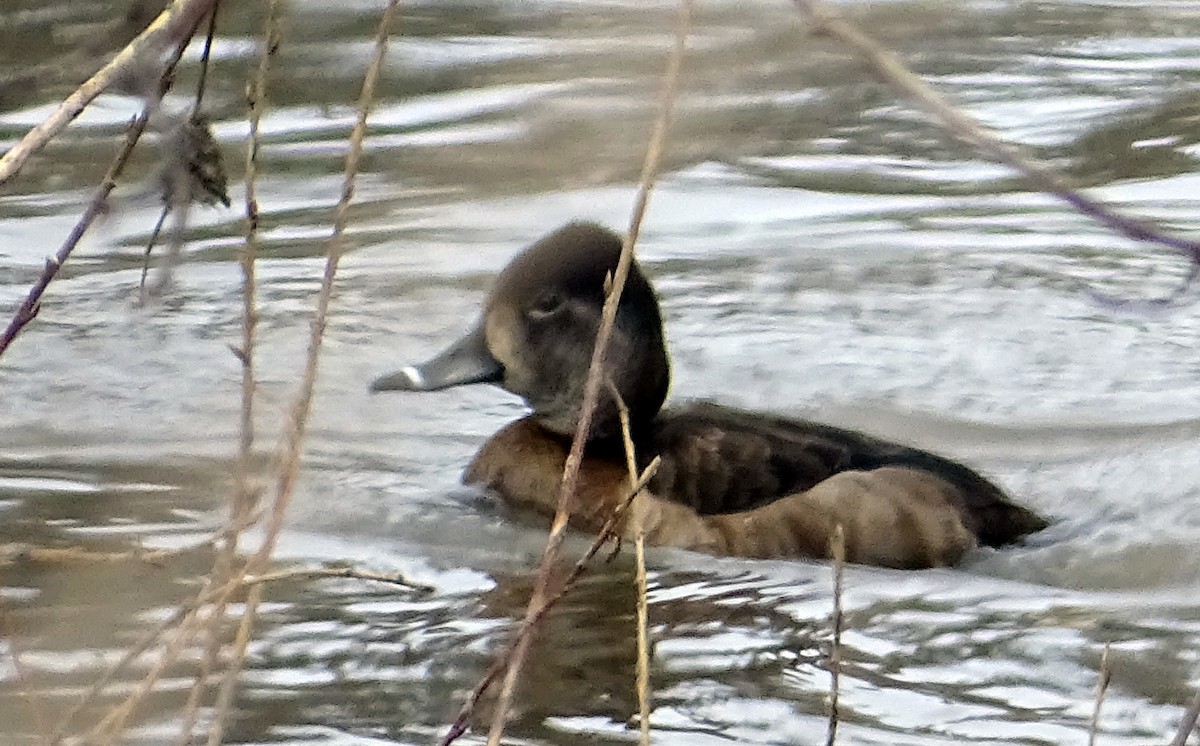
<point x="464" y="362"/>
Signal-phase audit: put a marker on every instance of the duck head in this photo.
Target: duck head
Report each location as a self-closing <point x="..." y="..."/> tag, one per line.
<point x="538" y="328"/>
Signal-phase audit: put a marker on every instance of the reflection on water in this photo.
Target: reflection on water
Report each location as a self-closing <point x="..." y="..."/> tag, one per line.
<point x="819" y="250"/>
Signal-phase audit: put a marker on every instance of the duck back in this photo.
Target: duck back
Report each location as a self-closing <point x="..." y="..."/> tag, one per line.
<point x="721" y="460"/>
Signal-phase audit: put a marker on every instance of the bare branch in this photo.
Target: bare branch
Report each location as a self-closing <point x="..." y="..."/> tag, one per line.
<point x="174" y="26"/>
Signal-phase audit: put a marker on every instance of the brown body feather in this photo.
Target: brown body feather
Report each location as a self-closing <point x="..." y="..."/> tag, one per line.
<point x="737" y="483"/>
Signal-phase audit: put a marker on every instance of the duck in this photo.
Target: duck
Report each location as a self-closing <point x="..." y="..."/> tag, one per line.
<point x="729" y="481"/>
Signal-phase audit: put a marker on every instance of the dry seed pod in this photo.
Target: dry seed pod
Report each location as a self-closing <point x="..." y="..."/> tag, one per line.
<point x="193" y="169"/>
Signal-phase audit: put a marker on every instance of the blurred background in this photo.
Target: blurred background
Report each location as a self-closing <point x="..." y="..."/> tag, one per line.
<point x="820" y="251"/>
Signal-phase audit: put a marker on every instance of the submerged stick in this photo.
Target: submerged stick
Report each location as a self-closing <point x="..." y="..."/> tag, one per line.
<point x="595" y="374"/>
<point x="392" y="578"/>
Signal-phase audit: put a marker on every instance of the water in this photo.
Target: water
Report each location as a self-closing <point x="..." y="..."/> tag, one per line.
<point x="819" y="249"/>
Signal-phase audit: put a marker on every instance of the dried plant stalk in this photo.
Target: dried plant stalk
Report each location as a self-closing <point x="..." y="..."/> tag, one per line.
<point x="244" y="496"/>
<point x="595" y="371"/>
<point x="110" y="727"/>
<point x="228" y="682"/>
<point x="837" y="546"/>
<point x="643" y="638"/>
<point x="639" y="544"/>
<point x="1101" y="688"/>
<point x="607" y="532"/>
<point x="289" y="460"/>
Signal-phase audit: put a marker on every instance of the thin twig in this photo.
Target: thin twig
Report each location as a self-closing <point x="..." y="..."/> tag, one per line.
<point x="591" y="388"/>
<point x="838" y="550"/>
<point x="28" y="310"/>
<point x="643" y="637"/>
<point x="394" y="578"/>
<point x="11" y="553"/>
<point x="643" y="590"/>
<point x="1188" y="723"/>
<point x="1101" y="688"/>
<point x="228" y="682"/>
<point x="966" y="128"/>
<point x="158" y="226"/>
<point x="607" y="532"/>
<point x="174" y="26"/>
<point x="205" y="55"/>
<point x="244" y="496"/>
<point x="289" y="461"/>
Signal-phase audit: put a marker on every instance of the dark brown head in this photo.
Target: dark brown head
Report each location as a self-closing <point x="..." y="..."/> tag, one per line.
<point x="539" y="327"/>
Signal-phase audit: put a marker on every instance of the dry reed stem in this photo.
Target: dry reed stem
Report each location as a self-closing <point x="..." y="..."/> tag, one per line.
<point x="643" y="638"/>
<point x="13" y="553"/>
<point x="970" y="131"/>
<point x="1101" y="688"/>
<point x="175" y="25"/>
<point x="289" y="460"/>
<point x="188" y="619"/>
<point x="144" y="643"/>
<point x="289" y="456"/>
<point x="243" y="498"/>
<point x="501" y="664"/>
<point x="111" y="726"/>
<point x="289" y="463"/>
<point x="184" y="615"/>
<point x="1188" y="723"/>
<point x="394" y="578"/>
<point x="229" y="681"/>
<point x="643" y="590"/>
<point x="595" y="375"/>
<point x="837" y="548"/>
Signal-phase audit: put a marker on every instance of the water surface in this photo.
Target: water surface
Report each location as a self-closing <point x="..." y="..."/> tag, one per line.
<point x="820" y="250"/>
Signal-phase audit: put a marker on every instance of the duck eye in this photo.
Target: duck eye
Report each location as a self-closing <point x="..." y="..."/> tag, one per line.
<point x="546" y="306"/>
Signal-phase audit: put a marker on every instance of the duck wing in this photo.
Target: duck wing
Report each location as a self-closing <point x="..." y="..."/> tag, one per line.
<point x="722" y="461"/>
